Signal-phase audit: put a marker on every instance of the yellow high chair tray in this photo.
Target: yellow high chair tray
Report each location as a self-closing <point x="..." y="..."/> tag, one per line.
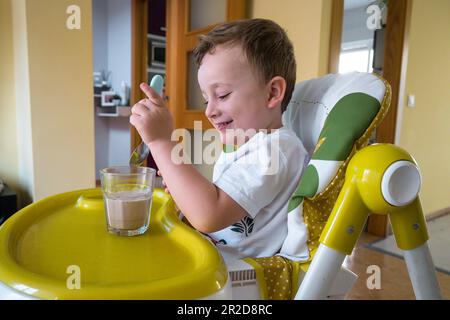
<point x="49" y="243"/>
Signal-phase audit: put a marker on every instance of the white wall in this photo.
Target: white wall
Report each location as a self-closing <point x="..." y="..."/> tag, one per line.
<point x="100" y="32"/>
<point x="112" y="39"/>
<point x="119" y="141"/>
<point x="355" y="27"/>
<point x="119" y="41"/>
<point x="112" y="51"/>
<point x="101" y="143"/>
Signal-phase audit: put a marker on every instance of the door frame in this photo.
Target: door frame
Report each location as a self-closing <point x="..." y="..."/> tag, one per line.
<point x="139" y="22"/>
<point x="394" y="71"/>
<point x="337" y="20"/>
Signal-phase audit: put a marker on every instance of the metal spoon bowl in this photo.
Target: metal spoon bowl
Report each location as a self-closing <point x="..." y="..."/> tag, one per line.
<point x="139" y="155"/>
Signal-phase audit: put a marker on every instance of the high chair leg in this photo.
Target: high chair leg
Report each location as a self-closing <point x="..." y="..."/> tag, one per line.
<point x="324" y="268"/>
<point x="410" y="231"/>
<point x="422" y="274"/>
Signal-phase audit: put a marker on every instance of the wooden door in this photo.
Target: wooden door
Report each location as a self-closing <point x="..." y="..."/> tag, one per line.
<point x="186" y="20"/>
<point x="139" y="26"/>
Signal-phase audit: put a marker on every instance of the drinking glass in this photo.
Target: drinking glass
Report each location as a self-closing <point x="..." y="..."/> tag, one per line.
<point x="127" y="194"/>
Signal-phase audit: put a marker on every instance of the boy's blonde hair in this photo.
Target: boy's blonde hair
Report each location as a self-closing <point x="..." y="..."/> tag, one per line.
<point x="265" y="44"/>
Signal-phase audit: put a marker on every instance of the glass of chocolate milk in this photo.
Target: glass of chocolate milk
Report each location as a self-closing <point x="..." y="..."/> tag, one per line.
<point x="127" y="193"/>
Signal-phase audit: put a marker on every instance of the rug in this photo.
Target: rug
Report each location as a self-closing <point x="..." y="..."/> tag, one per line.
<point x="439" y="243"/>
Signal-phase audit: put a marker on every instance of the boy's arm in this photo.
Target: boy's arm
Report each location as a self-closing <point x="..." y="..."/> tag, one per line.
<point x="206" y="206"/>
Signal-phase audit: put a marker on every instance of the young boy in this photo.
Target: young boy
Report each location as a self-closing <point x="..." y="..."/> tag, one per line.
<point x="246" y="75"/>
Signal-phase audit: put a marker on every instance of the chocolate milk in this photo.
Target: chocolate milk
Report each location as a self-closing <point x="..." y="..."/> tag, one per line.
<point x="128" y="210"/>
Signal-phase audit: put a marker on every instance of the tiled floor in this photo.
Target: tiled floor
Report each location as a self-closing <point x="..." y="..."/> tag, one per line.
<point x="395" y="283"/>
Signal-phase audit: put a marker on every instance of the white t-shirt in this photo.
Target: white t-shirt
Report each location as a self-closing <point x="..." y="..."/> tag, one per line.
<point x="260" y="176"/>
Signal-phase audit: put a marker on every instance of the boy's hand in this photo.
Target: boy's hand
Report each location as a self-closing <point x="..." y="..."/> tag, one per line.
<point x="151" y="118"/>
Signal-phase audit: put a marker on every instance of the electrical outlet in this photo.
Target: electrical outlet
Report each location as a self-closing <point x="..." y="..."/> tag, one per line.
<point x="411" y="101"/>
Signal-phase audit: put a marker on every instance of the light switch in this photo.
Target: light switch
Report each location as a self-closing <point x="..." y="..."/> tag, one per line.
<point x="411" y="100"/>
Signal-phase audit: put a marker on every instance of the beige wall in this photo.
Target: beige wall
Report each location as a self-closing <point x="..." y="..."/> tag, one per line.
<point x="53" y="101"/>
<point x="425" y="129"/>
<point x="308" y="26"/>
<point x="8" y="137"/>
<point x="61" y="90"/>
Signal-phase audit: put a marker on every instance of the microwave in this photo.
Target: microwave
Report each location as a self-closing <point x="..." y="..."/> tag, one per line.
<point x="157" y="51"/>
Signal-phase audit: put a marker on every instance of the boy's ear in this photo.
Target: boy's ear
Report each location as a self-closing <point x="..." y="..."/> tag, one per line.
<point x="276" y="88"/>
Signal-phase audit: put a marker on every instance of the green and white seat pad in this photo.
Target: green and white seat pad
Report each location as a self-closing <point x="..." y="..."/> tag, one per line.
<point x="329" y="114"/>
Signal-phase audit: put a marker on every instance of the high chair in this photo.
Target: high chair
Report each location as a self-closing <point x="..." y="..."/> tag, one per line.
<point x="344" y="181"/>
<point x="58" y="247"/>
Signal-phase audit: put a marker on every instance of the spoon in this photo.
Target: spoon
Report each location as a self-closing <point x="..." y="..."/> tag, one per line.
<point x="141" y="152"/>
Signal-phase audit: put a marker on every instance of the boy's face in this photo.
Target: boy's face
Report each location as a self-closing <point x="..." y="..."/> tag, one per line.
<point x="234" y="97"/>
